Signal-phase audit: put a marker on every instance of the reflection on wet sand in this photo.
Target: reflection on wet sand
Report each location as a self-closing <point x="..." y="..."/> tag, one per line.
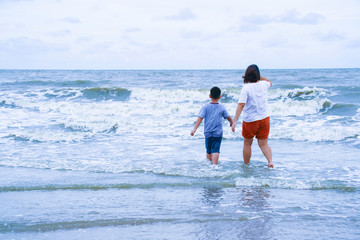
<point x="212" y="195"/>
<point x="253" y="202"/>
<point x="248" y="218"/>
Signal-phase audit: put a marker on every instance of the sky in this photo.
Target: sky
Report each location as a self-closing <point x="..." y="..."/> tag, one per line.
<point x="179" y="34"/>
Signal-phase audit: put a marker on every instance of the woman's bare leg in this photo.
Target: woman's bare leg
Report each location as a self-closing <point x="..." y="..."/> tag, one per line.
<point x="266" y="150"/>
<point x="247" y="150"/>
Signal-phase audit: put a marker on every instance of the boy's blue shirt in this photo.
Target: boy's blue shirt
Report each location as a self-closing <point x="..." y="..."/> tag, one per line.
<point x="213" y="113"/>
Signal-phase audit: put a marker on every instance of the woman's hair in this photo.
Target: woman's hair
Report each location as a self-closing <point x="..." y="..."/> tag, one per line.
<point x="252" y="74"/>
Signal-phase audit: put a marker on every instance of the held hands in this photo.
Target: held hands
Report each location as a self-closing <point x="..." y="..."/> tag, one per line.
<point x="233" y="126"/>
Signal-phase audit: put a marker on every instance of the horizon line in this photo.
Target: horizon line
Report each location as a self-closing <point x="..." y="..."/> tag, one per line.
<point x="167" y="69"/>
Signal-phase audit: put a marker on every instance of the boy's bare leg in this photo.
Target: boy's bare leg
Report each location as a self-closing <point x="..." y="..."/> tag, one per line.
<point x="209" y="156"/>
<point x="266" y="150"/>
<point x="215" y="158"/>
<point x="247" y="150"/>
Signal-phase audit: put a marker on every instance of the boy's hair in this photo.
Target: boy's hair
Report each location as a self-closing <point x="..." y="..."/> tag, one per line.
<point x="215" y="93"/>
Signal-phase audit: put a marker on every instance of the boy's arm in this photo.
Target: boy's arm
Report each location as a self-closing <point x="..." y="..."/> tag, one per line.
<point x="198" y="121"/>
<point x="262" y="78"/>
<point x="239" y="110"/>
<point x="230" y="120"/>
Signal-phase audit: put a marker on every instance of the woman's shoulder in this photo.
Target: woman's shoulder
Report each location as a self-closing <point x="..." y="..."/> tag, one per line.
<point x="251" y="84"/>
<point x="266" y="83"/>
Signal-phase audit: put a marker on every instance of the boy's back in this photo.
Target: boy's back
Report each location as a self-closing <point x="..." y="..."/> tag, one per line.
<point x="213" y="114"/>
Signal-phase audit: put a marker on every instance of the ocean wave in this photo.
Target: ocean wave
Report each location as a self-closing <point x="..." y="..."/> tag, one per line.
<point x="70" y="114"/>
<point x="42" y="83"/>
<point x="26" y="98"/>
<point x="256" y="182"/>
<point x="357" y="116"/>
<point x="304" y="93"/>
<point x="78" y="83"/>
<point x="175" y="96"/>
<point x="93" y="222"/>
<point x="91" y="187"/>
<point x="7" y="104"/>
<point x="110" y="186"/>
<point x="37" y="100"/>
<point x="290" y="107"/>
<point x="48" y="136"/>
<point x="103" y="93"/>
<point x="229" y="98"/>
<point x="296" y="184"/>
<point x="315" y="130"/>
<point x="70" y="225"/>
<point x="292" y="131"/>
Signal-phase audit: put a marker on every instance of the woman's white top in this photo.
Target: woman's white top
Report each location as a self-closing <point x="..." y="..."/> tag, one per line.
<point x="255" y="96"/>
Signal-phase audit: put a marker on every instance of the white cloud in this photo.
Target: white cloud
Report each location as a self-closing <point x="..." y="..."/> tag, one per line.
<point x="253" y="22"/>
<point x="26" y="45"/>
<point x="183" y="15"/>
<point x="99" y="48"/>
<point x="178" y="34"/>
<point x="258" y="19"/>
<point x="70" y="20"/>
<point x="249" y="28"/>
<point x="61" y="33"/>
<point x="354" y="45"/>
<point x="330" y="36"/>
<point x="132" y="30"/>
<point x="84" y="39"/>
<point x="295" y="17"/>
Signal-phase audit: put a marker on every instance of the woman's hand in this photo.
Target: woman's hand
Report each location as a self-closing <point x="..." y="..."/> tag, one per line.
<point x="233" y="126"/>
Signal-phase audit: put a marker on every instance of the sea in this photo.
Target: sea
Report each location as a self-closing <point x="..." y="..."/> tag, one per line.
<point x="107" y="154"/>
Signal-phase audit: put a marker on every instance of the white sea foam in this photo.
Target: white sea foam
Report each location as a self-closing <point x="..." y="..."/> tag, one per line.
<point x="292" y="183"/>
<point x="306" y="92"/>
<point x="272" y="182"/>
<point x="170" y="112"/>
<point x="290" y="107"/>
<point x="313" y="130"/>
<point x="169" y="95"/>
<point x="357" y="116"/>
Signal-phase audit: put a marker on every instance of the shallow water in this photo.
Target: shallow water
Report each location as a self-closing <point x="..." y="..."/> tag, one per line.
<point x="108" y="154"/>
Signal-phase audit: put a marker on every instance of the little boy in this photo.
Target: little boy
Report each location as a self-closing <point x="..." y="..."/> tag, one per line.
<point x="213" y="113"/>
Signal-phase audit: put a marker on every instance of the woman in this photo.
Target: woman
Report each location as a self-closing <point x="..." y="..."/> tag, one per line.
<point x="253" y="105"/>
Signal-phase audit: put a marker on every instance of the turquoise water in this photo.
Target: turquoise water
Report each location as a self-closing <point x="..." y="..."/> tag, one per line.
<point x="108" y="154"/>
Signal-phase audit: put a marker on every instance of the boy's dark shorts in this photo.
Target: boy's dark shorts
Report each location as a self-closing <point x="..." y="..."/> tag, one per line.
<point x="213" y="144"/>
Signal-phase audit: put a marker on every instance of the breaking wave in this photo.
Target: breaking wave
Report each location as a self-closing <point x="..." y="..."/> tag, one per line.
<point x="75" y="114"/>
<point x="98" y="94"/>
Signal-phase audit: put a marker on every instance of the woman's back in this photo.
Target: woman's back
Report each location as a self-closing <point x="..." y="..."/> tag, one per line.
<point x="255" y="95"/>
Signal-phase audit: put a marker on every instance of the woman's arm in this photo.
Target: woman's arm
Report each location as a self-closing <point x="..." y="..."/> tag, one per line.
<point x="262" y="78"/>
<point x="238" y="112"/>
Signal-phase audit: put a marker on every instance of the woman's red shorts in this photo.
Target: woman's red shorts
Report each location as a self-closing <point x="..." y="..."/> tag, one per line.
<point x="259" y="129"/>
